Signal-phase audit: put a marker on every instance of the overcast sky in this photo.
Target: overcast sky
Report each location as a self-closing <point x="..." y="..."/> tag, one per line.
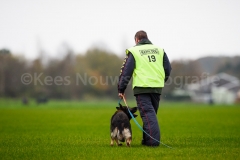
<point x="184" y="28"/>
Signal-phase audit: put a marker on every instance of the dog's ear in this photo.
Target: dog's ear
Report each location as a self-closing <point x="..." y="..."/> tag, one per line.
<point x="134" y="115"/>
<point x="121" y="107"/>
<point x="133" y="110"/>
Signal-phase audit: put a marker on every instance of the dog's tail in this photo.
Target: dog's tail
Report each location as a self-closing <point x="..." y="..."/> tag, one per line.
<point x="120" y="133"/>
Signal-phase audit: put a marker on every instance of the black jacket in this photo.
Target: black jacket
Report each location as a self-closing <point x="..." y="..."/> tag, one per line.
<point x="128" y="68"/>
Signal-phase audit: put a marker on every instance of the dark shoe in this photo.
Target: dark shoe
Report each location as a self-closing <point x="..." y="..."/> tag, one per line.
<point x="145" y="144"/>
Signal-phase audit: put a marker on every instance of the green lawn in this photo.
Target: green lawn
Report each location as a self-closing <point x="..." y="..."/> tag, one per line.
<point x="80" y="130"/>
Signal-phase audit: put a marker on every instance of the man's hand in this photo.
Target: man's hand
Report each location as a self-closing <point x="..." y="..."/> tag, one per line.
<point x="121" y="95"/>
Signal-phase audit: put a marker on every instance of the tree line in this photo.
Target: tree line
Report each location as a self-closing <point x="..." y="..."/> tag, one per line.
<point x="93" y="74"/>
<point x="82" y="76"/>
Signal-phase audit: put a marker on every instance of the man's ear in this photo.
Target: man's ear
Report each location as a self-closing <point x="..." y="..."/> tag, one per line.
<point x="136" y="40"/>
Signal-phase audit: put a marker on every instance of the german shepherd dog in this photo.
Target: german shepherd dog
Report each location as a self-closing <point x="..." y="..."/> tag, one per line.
<point x="120" y="127"/>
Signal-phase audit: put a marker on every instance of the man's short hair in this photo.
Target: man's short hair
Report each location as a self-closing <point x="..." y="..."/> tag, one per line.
<point x="141" y="35"/>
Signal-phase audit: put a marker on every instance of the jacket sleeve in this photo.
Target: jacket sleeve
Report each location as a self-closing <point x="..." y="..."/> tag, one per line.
<point x="167" y="66"/>
<point x="126" y="72"/>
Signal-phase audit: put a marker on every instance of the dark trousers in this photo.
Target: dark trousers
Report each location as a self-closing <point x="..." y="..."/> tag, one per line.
<point x="148" y="104"/>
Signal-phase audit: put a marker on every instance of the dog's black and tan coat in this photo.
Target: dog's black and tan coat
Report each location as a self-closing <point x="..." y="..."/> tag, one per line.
<point x="120" y="126"/>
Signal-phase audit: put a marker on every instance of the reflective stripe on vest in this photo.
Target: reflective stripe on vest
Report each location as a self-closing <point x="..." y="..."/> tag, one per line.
<point x="149" y="71"/>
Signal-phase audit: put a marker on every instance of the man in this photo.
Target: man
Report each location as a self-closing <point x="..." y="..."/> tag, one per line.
<point x="150" y="68"/>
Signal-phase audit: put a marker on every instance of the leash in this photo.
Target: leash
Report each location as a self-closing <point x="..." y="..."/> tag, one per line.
<point x="134" y="119"/>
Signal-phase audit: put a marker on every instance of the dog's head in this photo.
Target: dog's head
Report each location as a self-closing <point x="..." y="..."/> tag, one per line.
<point x="125" y="110"/>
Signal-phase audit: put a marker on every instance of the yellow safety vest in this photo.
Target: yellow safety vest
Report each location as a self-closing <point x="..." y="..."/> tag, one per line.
<point x="149" y="71"/>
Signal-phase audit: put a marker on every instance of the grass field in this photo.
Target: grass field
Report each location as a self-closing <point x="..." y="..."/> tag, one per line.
<point x="80" y="130"/>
